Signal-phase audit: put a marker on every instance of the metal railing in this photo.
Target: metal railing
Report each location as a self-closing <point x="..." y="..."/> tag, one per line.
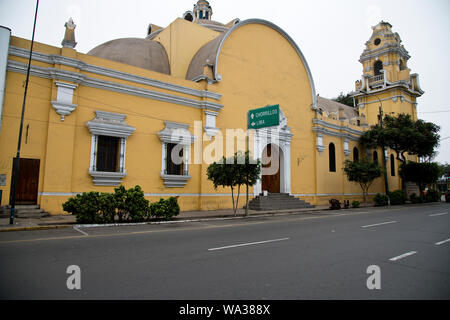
<point x="376" y="79"/>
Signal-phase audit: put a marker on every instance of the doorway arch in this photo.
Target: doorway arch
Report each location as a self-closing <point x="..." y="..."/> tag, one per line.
<point x="279" y="136"/>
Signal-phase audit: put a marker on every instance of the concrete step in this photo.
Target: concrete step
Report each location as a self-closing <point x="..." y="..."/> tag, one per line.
<point x="35" y="215"/>
<point x="24" y="211"/>
<point x="278" y="201"/>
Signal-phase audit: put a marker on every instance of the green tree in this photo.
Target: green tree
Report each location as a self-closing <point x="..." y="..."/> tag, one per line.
<point x="363" y="172"/>
<point x="445" y="169"/>
<point x="346" y="99"/>
<point x="421" y="173"/>
<point x="234" y="172"/>
<point x="404" y="135"/>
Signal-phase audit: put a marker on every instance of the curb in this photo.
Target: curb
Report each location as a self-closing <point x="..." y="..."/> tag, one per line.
<point x="199" y="219"/>
<point x="176" y="220"/>
<point x="183" y="220"/>
<point x="32" y="228"/>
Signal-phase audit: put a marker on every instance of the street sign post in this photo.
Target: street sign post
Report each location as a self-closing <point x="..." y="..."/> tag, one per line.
<point x="268" y="116"/>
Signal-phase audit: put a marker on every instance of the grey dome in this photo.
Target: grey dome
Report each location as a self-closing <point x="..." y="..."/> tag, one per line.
<point x="142" y="53"/>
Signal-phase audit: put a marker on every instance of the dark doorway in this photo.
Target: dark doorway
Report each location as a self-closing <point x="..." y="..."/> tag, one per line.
<point x="28" y="181"/>
<point x="271" y="183"/>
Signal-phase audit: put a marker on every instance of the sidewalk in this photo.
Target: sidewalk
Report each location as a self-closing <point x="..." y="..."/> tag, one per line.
<point x="68" y="221"/>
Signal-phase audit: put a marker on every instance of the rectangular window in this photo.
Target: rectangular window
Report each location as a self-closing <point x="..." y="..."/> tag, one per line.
<point x="174" y="161"/>
<point x="108" y="154"/>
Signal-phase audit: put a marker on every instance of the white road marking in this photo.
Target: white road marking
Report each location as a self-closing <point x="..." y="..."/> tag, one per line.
<point x="442" y="242"/>
<point x="81" y="231"/>
<point x="437" y="214"/>
<point x="378" y="224"/>
<point x="403" y="256"/>
<point x="248" y="244"/>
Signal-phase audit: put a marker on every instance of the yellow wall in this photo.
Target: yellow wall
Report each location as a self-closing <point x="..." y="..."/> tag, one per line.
<point x="258" y="67"/>
<point x="182" y="39"/>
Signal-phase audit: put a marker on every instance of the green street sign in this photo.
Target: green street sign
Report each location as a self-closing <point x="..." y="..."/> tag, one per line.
<point x="268" y="116"/>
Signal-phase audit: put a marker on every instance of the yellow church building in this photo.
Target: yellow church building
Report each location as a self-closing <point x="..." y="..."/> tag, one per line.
<point x="116" y="114"/>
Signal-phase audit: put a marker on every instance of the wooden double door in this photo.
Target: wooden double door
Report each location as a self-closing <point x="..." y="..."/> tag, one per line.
<point x="271" y="182"/>
<point x="27" y="182"/>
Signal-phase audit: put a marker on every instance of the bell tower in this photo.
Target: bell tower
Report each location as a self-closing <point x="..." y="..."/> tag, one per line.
<point x="202" y="10"/>
<point x="386" y="82"/>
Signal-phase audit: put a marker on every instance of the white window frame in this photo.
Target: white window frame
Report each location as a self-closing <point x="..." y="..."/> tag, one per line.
<point x="176" y="133"/>
<point x="113" y="125"/>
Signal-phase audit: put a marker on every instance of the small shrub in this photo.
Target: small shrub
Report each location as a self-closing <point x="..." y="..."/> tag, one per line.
<point x="335" y="204"/>
<point x="397" y="197"/>
<point x="91" y="207"/>
<point x="433" y="196"/>
<point x="415" y="199"/>
<point x="355" y="204"/>
<point x="165" y="209"/>
<point x="346" y="204"/>
<point x="95" y="207"/>
<point x="380" y="200"/>
<point x="131" y="204"/>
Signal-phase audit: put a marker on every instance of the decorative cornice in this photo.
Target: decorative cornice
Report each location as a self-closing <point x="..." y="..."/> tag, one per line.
<point x="337" y="127"/>
<point x="175" y="132"/>
<point x="59" y="74"/>
<point x="175" y="181"/>
<point x="63" y="109"/>
<point x="110" y="124"/>
<point x="387" y="48"/>
<point x="334" y="133"/>
<point x="83" y="66"/>
<point x="63" y="105"/>
<point x="107" y="178"/>
<point x="392" y="86"/>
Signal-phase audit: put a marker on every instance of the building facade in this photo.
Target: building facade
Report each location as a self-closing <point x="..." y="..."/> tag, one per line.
<point x="157" y="111"/>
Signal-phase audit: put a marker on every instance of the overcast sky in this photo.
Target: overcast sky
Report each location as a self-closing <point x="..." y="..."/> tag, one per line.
<point x="330" y="33"/>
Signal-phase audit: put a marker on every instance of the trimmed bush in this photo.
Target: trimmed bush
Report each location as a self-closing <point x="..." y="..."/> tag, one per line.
<point x="127" y="205"/>
<point x="380" y="200"/>
<point x="131" y="204"/>
<point x="415" y="199"/>
<point x="165" y="209"/>
<point x="397" y="197"/>
<point x="355" y="204"/>
<point x="433" y="196"/>
<point x="91" y="207"/>
<point x="335" y="204"/>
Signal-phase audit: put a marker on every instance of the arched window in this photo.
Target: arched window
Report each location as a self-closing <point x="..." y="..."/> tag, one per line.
<point x="332" y="157"/>
<point x="377" y="67"/>
<point x="355" y="154"/>
<point x="375" y="157"/>
<point x="392" y="165"/>
<point x="188" y="16"/>
<point x="402" y="65"/>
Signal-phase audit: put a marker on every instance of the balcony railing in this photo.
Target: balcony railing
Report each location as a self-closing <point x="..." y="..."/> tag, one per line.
<point x="376" y="79"/>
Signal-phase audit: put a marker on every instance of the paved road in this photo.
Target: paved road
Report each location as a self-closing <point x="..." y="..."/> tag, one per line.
<point x="322" y="255"/>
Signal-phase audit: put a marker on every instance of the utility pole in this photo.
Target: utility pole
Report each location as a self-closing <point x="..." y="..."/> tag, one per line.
<point x="245" y="159"/>
<point x="16" y="170"/>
